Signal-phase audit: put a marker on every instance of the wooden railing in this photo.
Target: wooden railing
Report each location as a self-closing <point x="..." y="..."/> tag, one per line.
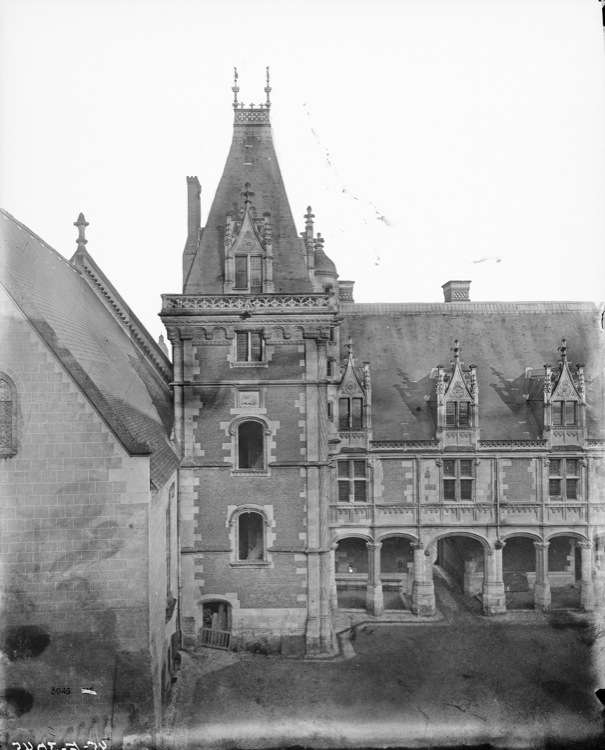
<point x="214" y="638"/>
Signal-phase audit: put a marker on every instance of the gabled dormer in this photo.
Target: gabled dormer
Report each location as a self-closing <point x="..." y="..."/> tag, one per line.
<point x="564" y="399"/>
<point x="457" y="403"/>
<point x="353" y="403"/>
<point x="248" y="250"/>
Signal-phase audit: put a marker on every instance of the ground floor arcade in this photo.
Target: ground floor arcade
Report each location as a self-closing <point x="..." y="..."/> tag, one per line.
<point x="519" y="570"/>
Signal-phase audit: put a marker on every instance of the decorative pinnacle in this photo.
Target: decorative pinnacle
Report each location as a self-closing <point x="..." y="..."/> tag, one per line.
<point x="456" y="349"/>
<point x="235" y="89"/>
<point x="81" y="223"/>
<point x="247" y="194"/>
<point x="350" y="346"/>
<point x="563" y="349"/>
<point x="268" y="89"/>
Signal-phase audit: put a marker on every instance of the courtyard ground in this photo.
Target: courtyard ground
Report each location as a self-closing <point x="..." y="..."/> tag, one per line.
<point x="524" y="679"/>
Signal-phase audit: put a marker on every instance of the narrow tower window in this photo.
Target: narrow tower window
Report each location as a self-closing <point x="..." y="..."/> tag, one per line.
<point x="250" y="449"/>
<point x="251" y="538"/>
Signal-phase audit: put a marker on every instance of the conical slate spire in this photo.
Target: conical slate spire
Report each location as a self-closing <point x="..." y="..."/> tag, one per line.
<point x="251" y="159"/>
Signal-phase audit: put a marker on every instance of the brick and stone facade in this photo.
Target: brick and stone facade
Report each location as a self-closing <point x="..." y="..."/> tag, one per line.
<point x="395" y="437"/>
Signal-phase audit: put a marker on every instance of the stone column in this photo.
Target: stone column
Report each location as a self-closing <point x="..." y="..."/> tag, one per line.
<point x="494" y="598"/>
<point x="473" y="578"/>
<point x="542" y="587"/>
<point x="423" y="591"/>
<point x="333" y="589"/>
<point x="587" y="588"/>
<point x="374" y="599"/>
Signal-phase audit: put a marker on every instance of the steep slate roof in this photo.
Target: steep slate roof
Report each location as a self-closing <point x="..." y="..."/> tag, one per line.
<point x="252" y="159"/>
<point x="403" y="343"/>
<point x="98" y="350"/>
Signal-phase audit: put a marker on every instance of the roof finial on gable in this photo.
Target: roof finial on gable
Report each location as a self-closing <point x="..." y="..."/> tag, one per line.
<point x="563" y="350"/>
<point x="247" y="194"/>
<point x="456" y="349"/>
<point x="350" y="347"/>
<point x="235" y="89"/>
<point x="268" y="90"/>
<point x="81" y="223"/>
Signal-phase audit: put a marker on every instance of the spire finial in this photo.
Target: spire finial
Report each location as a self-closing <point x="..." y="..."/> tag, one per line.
<point x="456" y="349"/>
<point x="563" y="349"/>
<point x="81" y="223"/>
<point x="247" y="194"/>
<point x="268" y="89"/>
<point x="235" y="89"/>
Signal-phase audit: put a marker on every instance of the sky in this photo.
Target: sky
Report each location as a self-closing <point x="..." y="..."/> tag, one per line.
<point x="450" y="139"/>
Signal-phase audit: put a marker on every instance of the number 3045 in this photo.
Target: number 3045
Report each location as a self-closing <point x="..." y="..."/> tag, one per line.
<point x="57" y="691"/>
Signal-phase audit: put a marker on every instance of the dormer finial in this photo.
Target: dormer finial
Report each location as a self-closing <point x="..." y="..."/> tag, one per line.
<point x="268" y="89"/>
<point x="235" y="89"/>
<point x="456" y="349"/>
<point x="563" y="350"/>
<point x="81" y="223"/>
<point x="350" y="346"/>
<point x="247" y="194"/>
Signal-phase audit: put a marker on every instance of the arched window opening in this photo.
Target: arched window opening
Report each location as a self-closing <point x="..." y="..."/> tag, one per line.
<point x="250" y="446"/>
<point x="7" y="419"/>
<point x="251" y="537"/>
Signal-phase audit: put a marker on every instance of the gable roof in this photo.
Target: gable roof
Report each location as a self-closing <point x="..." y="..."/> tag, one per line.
<point x="94" y="345"/>
<point x="404" y="343"/>
<point x="252" y="159"/>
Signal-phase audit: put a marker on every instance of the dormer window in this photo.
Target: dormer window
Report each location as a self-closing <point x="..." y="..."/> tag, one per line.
<point x="564" y="413"/>
<point x="350" y="413"/>
<point x="249" y="273"/>
<point x="458" y="414"/>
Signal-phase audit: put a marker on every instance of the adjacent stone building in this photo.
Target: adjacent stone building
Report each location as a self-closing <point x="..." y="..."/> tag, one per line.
<point x="338" y="454"/>
<point x="88" y="487"/>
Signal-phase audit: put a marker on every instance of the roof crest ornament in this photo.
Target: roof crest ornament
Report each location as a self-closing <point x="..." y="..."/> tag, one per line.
<point x="268" y="90"/>
<point x="235" y="89"/>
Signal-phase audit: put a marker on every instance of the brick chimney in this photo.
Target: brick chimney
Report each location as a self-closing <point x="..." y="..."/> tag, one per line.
<point x="345" y="291"/>
<point x="456" y="291"/>
<point x="194" y="211"/>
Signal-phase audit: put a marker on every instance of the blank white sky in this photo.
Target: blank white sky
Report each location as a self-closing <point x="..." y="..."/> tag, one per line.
<point x="434" y="140"/>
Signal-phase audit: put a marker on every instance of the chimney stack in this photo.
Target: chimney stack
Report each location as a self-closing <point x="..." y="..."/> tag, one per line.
<point x="345" y="291"/>
<point x="194" y="210"/>
<point x="456" y="291"/>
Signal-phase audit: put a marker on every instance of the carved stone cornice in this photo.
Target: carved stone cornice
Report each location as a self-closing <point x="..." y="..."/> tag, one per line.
<point x="183" y="304"/>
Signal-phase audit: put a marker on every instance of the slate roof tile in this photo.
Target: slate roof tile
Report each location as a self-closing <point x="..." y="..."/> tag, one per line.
<point x="97" y="351"/>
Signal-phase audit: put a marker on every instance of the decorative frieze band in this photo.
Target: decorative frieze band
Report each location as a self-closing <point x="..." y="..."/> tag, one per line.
<point x="404" y="444"/>
<point x="176" y="302"/>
